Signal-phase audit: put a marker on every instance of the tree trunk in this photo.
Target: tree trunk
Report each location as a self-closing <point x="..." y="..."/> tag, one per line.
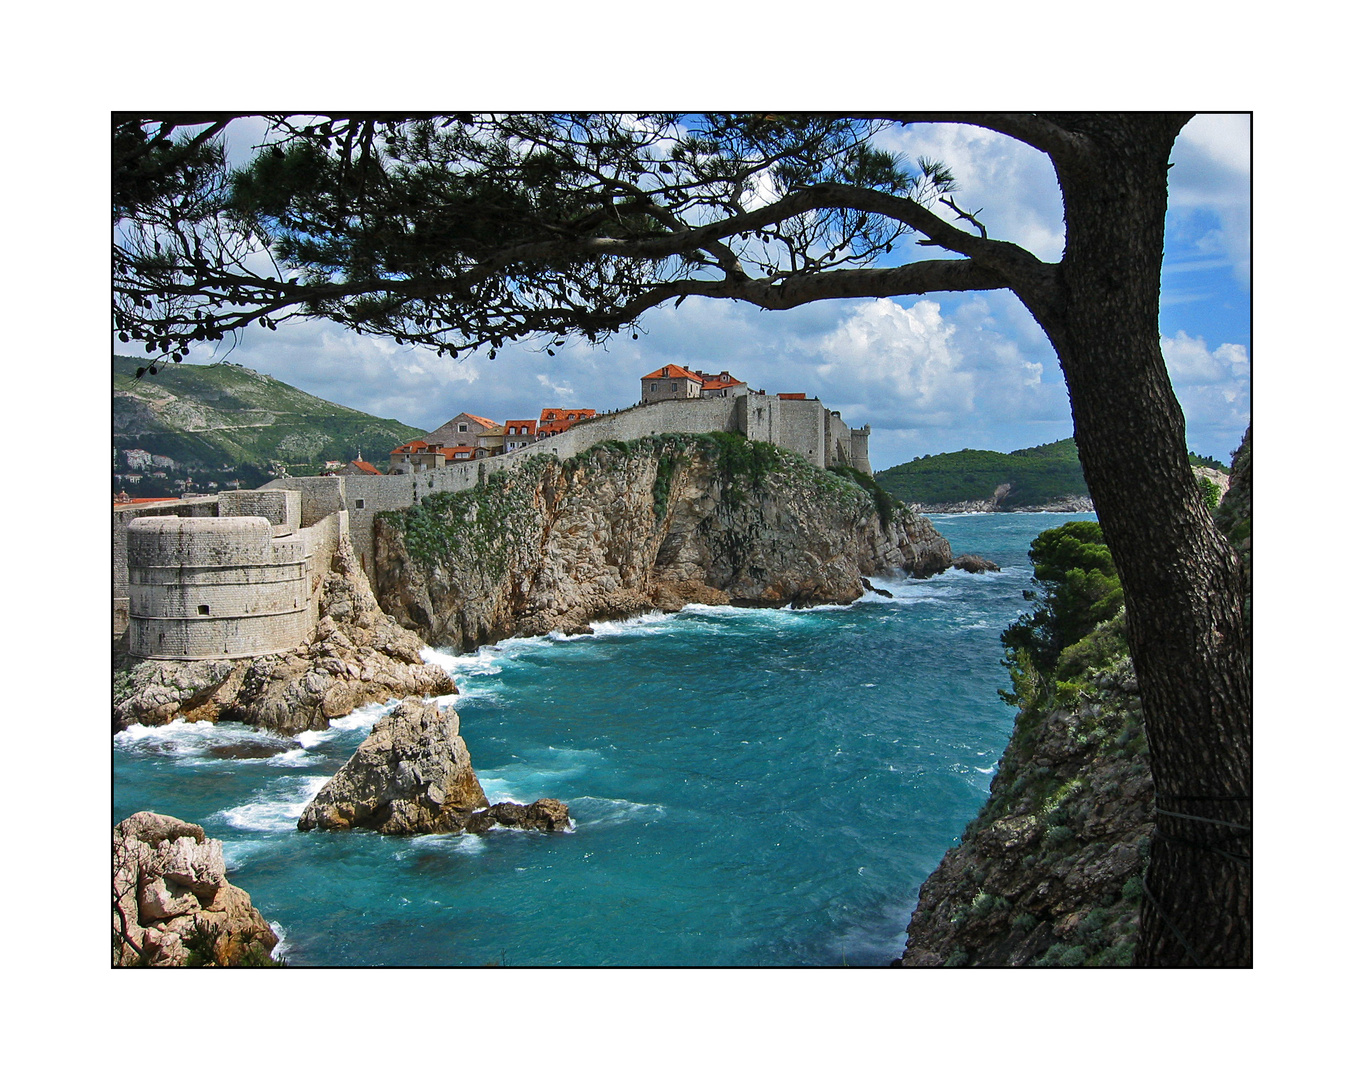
<point x="1185" y="610"/>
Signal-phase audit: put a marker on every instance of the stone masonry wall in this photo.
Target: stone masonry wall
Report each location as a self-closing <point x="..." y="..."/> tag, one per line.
<point x="215" y="587"/>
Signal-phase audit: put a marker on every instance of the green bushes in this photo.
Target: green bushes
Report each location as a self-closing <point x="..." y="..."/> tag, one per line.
<point x="885" y="501"/>
<point x="1080" y="593"/>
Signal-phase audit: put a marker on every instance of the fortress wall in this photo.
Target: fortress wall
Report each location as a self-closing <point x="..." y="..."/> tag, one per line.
<point x="319" y="543"/>
<point x="215" y="588"/>
<point x="837" y="441"/>
<point x="861" y="460"/>
<point x="801" y="429"/>
<point x="761" y="418"/>
<point x="123" y="515"/>
<point x="282" y="508"/>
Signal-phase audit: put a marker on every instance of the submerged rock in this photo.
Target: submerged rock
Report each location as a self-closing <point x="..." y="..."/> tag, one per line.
<point x="173" y="905"/>
<point x="411" y="775"/>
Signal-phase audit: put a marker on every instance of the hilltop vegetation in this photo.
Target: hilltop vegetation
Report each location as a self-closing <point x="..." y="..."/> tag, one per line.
<point x="1035" y="476"/>
<point x="219" y="423"/>
<point x="1040" y="474"/>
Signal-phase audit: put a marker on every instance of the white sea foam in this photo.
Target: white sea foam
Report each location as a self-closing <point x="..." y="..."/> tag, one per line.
<point x="594" y="811"/>
<point x="278" y="809"/>
<point x="194" y="743"/>
<point x="650" y="622"/>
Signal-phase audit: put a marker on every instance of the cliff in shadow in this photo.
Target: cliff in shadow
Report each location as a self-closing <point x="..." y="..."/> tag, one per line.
<point x="651" y="524"/>
<point x="1050" y="872"/>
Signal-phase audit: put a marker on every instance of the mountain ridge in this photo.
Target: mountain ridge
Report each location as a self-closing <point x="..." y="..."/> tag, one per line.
<point x="224" y="424"/>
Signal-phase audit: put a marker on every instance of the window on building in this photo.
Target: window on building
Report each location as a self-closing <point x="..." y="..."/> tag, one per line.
<point x="359" y="504"/>
<point x="463" y="427"/>
<point x="203" y="609"/>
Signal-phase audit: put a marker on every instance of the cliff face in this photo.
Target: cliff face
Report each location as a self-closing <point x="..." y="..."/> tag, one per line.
<point x="1050" y="872"/>
<point x="630" y="527"/>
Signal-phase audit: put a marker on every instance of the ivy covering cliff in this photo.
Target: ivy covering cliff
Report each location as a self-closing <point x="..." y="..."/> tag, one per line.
<point x="628" y="527"/>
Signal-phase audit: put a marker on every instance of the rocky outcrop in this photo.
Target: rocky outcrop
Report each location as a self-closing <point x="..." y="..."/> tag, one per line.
<point x="1050" y="872"/>
<point x="543" y="815"/>
<point x="411" y="775"/>
<point x="355" y="656"/>
<point x="625" y="528"/>
<point x="974" y="564"/>
<point x="173" y="905"/>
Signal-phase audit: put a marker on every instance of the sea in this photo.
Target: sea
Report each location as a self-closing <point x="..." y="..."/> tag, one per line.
<point x="748" y="787"/>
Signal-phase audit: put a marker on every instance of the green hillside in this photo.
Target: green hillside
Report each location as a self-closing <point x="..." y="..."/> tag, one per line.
<point x="1037" y="475"/>
<point x="223" y="423"/>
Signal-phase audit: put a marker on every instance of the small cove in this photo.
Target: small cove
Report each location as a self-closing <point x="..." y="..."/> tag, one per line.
<point x="749" y="787"/>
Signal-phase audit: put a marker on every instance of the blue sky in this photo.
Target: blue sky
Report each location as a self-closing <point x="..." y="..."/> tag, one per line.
<point x="930" y="374"/>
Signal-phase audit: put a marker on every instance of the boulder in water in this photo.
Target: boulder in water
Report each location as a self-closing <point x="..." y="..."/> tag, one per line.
<point x="411" y="775"/>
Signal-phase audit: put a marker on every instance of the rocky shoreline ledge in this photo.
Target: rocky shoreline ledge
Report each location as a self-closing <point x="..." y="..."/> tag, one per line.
<point x="173" y="905"/>
<point x="356" y="656"/>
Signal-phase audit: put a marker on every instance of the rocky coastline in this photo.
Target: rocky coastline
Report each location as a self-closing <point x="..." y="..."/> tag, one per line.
<point x="1071" y="504"/>
<point x="1050" y="872"/>
<point x="626" y="528"/>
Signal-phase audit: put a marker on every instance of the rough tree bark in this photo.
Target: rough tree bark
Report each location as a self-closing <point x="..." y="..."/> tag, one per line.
<point x="1184" y="594"/>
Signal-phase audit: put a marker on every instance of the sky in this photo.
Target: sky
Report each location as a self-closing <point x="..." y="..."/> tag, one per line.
<point x="930" y="374"/>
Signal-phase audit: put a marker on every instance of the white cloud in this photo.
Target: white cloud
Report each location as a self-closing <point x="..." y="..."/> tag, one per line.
<point x="1210" y="189"/>
<point x="1011" y="183"/>
<point x="1213" y="388"/>
<point x="913" y="367"/>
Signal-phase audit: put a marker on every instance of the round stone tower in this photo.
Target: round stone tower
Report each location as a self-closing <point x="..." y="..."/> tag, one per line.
<point x="214" y="588"/>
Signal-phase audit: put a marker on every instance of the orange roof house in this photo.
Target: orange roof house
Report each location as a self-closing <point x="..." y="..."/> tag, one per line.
<point x="459" y="428"/>
<point x="669" y="383"/>
<point x="722" y="385"/>
<point x="553" y="421"/>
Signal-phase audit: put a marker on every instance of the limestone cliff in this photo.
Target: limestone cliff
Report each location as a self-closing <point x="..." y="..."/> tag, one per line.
<point x="355" y="656"/>
<point x="1050" y="872"/>
<point x="629" y="527"/>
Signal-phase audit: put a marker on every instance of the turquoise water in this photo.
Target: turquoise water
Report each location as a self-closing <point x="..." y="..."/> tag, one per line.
<point x="748" y="787"/>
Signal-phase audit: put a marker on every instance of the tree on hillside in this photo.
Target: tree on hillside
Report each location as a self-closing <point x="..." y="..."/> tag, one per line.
<point x="462" y="232"/>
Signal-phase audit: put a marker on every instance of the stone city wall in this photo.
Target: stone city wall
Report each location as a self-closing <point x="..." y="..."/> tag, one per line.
<point x="215" y="587"/>
<point x="301" y="503"/>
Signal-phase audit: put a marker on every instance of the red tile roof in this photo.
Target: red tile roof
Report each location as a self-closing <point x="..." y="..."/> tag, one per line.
<point x="366" y="467"/>
<point x="485" y="422"/>
<point x="791" y="397"/>
<point x="720" y="382"/>
<point x="551" y="415"/>
<point x="412" y="447"/>
<point x="673" y="371"/>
